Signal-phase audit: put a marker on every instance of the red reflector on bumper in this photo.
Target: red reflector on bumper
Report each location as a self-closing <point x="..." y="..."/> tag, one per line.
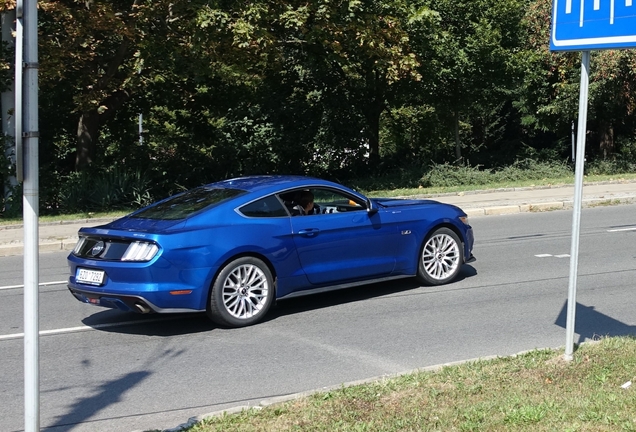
<point x="180" y="292"/>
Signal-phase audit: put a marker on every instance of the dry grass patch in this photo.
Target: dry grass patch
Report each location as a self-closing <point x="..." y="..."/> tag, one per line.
<point x="535" y="391"/>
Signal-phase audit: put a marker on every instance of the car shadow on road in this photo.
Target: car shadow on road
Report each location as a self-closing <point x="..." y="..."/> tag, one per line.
<point x="356" y="294"/>
<point x="115" y="321"/>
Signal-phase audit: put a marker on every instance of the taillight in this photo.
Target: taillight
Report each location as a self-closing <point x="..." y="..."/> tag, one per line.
<point x="78" y="246"/>
<point x="140" y="251"/>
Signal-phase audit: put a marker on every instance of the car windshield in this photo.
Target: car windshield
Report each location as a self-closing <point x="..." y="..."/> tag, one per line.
<point x="183" y="205"/>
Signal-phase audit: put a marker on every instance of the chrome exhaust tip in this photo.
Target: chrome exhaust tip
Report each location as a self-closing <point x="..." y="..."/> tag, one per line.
<point x="142" y="308"/>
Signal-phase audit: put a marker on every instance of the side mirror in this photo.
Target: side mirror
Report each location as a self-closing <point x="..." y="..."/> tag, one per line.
<point x="371" y="208"/>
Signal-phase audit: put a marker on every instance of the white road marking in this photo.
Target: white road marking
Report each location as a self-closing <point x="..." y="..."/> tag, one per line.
<point x="562" y="256"/>
<point x="543" y="255"/>
<point x="8" y="287"/>
<point x="622" y="229"/>
<point x="83" y="328"/>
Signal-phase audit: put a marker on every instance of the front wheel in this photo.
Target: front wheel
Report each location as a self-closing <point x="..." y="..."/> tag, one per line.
<point x="441" y="257"/>
<point x="242" y="293"/>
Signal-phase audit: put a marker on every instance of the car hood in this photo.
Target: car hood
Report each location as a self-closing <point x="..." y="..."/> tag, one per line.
<point x="400" y="202"/>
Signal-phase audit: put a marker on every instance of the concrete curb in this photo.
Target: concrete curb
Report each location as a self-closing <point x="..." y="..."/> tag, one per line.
<point x="66" y="244"/>
<point x="546" y="206"/>
<point x="63" y="222"/>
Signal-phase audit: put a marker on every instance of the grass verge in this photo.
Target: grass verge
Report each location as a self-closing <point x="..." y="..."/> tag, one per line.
<point x="534" y="391"/>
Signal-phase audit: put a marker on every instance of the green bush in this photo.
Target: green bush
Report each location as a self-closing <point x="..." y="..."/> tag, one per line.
<point x="529" y="169"/>
<point x="446" y="175"/>
<point x="113" y="189"/>
<point x="610" y="167"/>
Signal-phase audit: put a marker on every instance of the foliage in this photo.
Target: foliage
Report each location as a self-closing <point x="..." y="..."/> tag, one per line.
<point x="446" y="175"/>
<point x="549" y="97"/>
<point x="474" y="65"/>
<point x="115" y="189"/>
<point x="346" y="90"/>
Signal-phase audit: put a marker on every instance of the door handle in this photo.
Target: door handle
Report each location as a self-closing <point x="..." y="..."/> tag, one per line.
<point x="309" y="232"/>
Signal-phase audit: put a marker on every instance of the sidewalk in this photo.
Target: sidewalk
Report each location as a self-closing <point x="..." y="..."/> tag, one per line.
<point x="59" y="236"/>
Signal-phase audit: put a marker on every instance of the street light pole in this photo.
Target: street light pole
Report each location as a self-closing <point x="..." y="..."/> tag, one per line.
<point x="27" y="134"/>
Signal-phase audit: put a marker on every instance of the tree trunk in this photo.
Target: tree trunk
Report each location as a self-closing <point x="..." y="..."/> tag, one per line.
<point x="458" y="147"/>
<point x="87" y="134"/>
<point x="606" y="140"/>
<point x="373" y="121"/>
<point x="89" y="125"/>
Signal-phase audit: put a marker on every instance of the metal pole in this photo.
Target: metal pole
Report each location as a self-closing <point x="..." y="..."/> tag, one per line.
<point x="19" y="51"/>
<point x="30" y="212"/>
<point x="573" y="144"/>
<point x="8" y="109"/>
<point x="578" y="194"/>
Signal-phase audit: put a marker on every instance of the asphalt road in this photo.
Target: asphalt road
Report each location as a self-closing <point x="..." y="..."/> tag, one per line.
<point x="103" y="370"/>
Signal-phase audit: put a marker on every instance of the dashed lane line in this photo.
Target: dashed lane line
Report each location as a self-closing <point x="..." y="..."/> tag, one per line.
<point x="84" y="328"/>
<point x="622" y="229"/>
<point x="8" y="287"/>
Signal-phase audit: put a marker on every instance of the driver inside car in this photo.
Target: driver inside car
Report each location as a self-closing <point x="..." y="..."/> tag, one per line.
<point x="305" y="204"/>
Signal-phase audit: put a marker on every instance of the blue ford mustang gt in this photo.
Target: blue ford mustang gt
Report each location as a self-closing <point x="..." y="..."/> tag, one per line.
<point x="232" y="248"/>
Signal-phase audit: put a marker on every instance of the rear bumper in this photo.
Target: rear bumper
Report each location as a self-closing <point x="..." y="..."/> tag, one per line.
<point x="126" y="303"/>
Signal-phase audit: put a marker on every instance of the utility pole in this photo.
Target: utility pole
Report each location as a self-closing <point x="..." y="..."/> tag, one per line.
<point x="27" y="166"/>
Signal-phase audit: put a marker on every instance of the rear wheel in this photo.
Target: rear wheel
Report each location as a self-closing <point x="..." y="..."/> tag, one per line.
<point x="242" y="293"/>
<point x="441" y="257"/>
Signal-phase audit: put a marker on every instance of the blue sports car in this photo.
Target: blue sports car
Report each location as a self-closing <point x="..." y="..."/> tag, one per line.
<point x="233" y="247"/>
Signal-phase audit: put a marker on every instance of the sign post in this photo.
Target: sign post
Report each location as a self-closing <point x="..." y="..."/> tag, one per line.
<point x="584" y="25"/>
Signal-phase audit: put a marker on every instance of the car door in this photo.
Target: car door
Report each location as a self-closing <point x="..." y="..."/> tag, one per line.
<point x="344" y="243"/>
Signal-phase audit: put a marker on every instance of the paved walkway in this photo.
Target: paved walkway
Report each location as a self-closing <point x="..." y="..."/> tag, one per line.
<point x="63" y="235"/>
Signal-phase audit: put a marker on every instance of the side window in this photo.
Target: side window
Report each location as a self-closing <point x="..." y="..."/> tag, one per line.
<point x="325" y="201"/>
<point x="332" y="201"/>
<point x="265" y="207"/>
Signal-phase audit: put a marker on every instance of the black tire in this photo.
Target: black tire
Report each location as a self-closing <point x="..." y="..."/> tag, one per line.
<point x="242" y="293"/>
<point x="441" y="257"/>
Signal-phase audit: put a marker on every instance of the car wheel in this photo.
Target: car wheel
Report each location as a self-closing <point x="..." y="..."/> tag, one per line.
<point x="242" y="293"/>
<point x="441" y="257"/>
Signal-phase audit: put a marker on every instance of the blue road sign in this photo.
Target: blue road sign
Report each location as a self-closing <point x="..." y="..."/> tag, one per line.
<point x="582" y="25"/>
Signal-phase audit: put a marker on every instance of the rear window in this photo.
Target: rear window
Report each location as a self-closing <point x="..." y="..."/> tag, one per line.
<point x="265" y="207"/>
<point x="183" y="205"/>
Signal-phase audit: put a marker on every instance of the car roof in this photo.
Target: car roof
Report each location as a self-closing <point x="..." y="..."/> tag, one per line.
<point x="269" y="183"/>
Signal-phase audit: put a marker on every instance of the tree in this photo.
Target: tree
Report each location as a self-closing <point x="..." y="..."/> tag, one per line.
<point x="548" y="98"/>
<point x="348" y="55"/>
<point x="89" y="48"/>
<point x="612" y="101"/>
<point x="475" y="65"/>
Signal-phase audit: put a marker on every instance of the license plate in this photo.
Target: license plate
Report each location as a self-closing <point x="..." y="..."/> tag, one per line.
<point x="91" y="277"/>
